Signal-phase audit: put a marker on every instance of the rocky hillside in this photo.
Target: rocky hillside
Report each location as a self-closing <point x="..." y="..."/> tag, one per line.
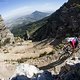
<point x="21" y="24"/>
<point x="31" y="28"/>
<point x="66" y="20"/>
<point x="5" y="35"/>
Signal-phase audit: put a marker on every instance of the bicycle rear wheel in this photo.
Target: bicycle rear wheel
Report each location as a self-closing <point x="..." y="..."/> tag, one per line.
<point x="68" y="49"/>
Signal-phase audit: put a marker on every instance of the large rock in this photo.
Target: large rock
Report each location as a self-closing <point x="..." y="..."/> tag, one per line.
<point x="5" y="35"/>
<point x="71" y="70"/>
<point x="30" y="72"/>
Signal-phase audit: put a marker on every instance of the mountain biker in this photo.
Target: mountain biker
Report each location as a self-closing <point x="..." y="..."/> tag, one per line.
<point x="70" y="47"/>
<point x="73" y="42"/>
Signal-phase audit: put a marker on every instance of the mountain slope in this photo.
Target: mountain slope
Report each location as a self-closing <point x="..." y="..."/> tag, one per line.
<point x="26" y="19"/>
<point x="31" y="27"/>
<point x="65" y="20"/>
<point x="37" y="15"/>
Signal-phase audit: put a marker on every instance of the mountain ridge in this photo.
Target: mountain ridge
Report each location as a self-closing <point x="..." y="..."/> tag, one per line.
<point x="26" y="19"/>
<point x="31" y="27"/>
<point x="66" y="20"/>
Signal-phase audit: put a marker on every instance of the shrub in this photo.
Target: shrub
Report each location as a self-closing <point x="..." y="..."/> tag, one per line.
<point x="6" y="41"/>
<point x="41" y="55"/>
<point x="0" y="44"/>
<point x="51" y="53"/>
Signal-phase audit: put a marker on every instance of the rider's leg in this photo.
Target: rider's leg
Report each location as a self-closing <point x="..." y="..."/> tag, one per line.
<point x="76" y="44"/>
<point x="73" y="43"/>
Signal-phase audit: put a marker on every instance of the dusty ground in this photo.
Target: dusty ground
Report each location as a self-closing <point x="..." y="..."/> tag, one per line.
<point x="44" y="56"/>
<point x="25" y="50"/>
<point x="28" y="52"/>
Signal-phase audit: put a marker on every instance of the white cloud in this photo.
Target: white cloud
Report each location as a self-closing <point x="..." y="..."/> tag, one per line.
<point x="29" y="9"/>
<point x="17" y="12"/>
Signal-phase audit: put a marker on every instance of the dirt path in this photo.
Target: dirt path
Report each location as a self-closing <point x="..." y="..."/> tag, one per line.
<point x="9" y="55"/>
<point x="26" y="50"/>
<point x="41" y="55"/>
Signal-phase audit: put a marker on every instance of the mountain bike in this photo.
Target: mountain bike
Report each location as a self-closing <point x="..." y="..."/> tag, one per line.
<point x="67" y="51"/>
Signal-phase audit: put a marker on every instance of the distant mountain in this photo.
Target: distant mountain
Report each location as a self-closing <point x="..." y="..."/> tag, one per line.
<point x="38" y="15"/>
<point x="29" y="22"/>
<point x="23" y="20"/>
<point x="31" y="28"/>
<point x="65" y="21"/>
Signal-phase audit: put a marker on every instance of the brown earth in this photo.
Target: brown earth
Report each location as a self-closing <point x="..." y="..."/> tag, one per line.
<point x="43" y="56"/>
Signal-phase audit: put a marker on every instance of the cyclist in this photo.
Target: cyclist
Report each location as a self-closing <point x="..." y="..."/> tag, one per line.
<point x="73" y="41"/>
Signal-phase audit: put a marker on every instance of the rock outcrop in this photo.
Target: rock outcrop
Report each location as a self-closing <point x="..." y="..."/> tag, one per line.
<point x="30" y="72"/>
<point x="5" y="35"/>
<point x="70" y="71"/>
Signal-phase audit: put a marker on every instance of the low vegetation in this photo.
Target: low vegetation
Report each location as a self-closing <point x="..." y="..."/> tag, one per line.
<point x="22" y="60"/>
<point x="31" y="28"/>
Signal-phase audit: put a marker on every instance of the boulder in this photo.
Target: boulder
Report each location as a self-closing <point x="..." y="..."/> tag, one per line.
<point x="71" y="70"/>
<point x="20" y="77"/>
<point x="5" y="35"/>
<point x="30" y="72"/>
<point x="46" y="75"/>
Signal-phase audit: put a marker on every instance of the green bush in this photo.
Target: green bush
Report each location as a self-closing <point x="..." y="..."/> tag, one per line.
<point x="0" y="44"/>
<point x="51" y="53"/>
<point x="20" y="60"/>
<point x="6" y="41"/>
<point x="41" y="55"/>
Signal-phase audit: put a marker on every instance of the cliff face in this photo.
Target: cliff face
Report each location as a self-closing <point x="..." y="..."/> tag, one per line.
<point x="5" y="35"/>
<point x="66" y="20"/>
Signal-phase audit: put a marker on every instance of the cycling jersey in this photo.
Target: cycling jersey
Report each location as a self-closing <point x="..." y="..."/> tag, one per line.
<point x="73" y="41"/>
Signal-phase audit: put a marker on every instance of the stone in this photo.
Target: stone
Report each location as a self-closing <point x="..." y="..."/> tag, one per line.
<point x="5" y="35"/>
<point x="20" y="77"/>
<point x="30" y="72"/>
<point x="71" y="70"/>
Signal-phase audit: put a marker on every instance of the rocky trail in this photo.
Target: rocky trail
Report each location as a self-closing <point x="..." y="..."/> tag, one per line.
<point x="44" y="57"/>
<point x="25" y="52"/>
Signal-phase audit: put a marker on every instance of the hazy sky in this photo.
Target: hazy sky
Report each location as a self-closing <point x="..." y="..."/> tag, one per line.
<point x="11" y="8"/>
